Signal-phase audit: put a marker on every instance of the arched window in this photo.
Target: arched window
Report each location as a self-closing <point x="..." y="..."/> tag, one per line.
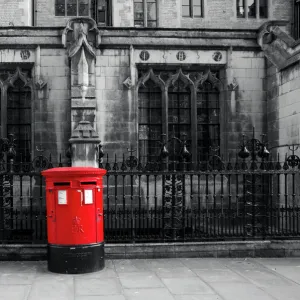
<point x="16" y="113"/>
<point x="186" y="107"/>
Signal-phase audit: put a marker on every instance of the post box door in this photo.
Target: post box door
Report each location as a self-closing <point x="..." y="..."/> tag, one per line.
<point x="51" y="218"/>
<point x="100" y="214"/>
<point x="75" y="216"/>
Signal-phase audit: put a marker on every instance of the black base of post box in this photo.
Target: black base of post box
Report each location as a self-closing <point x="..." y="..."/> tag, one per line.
<point x="77" y="259"/>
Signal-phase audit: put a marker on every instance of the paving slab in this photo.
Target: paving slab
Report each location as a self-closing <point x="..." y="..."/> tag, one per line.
<point x="166" y="279"/>
<point x="14" y="292"/>
<point x="180" y="286"/>
<point x="148" y="294"/>
<point x="140" y="280"/>
<point x="96" y="286"/>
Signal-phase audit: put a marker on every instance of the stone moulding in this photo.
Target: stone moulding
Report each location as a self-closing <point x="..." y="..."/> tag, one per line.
<point x="238" y="249"/>
<point x="82" y="35"/>
<point x="279" y="47"/>
<point x="84" y="131"/>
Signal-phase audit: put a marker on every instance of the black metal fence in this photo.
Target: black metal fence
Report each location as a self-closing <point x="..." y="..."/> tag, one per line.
<point x="251" y="196"/>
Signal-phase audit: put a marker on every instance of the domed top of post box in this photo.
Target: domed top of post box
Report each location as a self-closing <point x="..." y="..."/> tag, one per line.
<point x="73" y="171"/>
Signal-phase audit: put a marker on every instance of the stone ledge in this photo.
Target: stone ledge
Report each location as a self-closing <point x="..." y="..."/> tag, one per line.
<point x="269" y="248"/>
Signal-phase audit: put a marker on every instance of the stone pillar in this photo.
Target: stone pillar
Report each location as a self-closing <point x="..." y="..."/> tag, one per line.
<point x="81" y="37"/>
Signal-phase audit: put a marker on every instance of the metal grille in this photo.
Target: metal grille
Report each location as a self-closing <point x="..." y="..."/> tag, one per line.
<point x="253" y="196"/>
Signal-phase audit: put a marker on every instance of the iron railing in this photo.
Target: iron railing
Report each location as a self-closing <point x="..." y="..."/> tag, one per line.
<point x="251" y="196"/>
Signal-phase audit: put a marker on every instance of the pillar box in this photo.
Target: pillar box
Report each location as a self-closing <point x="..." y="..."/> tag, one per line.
<point x="75" y="223"/>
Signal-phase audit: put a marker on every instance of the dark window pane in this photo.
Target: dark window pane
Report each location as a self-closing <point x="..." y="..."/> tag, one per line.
<point x="19" y="120"/>
<point x="263" y="8"/>
<point x="71" y="7"/>
<point x="240" y="8"/>
<point x="197" y="2"/>
<point x="101" y="17"/>
<point x="252" y="8"/>
<point x="60" y="9"/>
<point x="83" y="9"/>
<point x="138" y="14"/>
<point x="186" y="2"/>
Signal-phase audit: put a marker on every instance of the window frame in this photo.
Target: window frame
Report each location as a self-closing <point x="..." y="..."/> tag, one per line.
<point x="257" y="12"/>
<point x="5" y="87"/>
<point x="77" y="13"/>
<point x="107" y="12"/>
<point x="296" y="19"/>
<point x="192" y="6"/>
<point x="193" y="87"/>
<point x="145" y="14"/>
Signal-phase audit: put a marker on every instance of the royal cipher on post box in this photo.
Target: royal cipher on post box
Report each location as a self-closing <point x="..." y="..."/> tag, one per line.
<point x="74" y="202"/>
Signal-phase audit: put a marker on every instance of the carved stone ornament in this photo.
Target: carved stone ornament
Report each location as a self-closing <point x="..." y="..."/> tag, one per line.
<point x="144" y="55"/>
<point x="80" y="28"/>
<point x="40" y="84"/>
<point x="128" y="83"/>
<point x="84" y="130"/>
<point x="234" y="85"/>
<point x="19" y="74"/>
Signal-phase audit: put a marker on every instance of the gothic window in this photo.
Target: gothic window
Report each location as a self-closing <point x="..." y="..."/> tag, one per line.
<point x="252" y="8"/>
<point x="184" y="106"/>
<point x="16" y="113"/>
<point x="145" y="13"/>
<point x="297" y="20"/>
<point x="192" y="8"/>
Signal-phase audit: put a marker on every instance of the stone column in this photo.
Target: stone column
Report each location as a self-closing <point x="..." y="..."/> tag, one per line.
<point x="81" y="37"/>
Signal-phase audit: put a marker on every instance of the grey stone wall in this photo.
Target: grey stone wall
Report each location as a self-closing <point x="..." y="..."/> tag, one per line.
<point x="16" y="13"/>
<point x="217" y="14"/>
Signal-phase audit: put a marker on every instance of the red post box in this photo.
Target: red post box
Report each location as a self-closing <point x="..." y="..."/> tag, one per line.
<point x="74" y="200"/>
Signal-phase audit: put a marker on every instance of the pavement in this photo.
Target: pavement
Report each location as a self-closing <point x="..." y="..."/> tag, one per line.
<point x="157" y="279"/>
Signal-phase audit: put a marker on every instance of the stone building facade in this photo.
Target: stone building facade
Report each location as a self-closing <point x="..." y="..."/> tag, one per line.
<point x="125" y="72"/>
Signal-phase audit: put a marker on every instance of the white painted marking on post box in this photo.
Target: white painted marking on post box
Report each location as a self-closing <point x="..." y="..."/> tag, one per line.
<point x="88" y="197"/>
<point x="62" y="197"/>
